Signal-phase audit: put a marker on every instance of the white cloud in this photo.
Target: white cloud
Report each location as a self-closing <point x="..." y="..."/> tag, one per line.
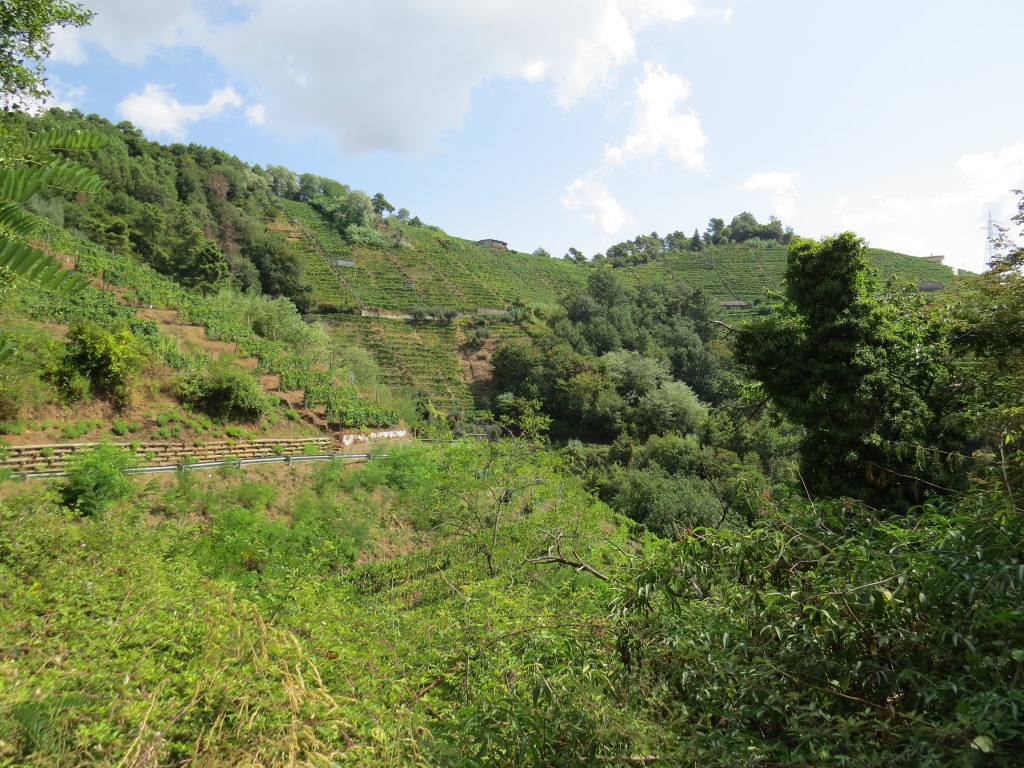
<point x="591" y="197"/>
<point x="991" y="175"/>
<point x="130" y="30"/>
<point x="780" y="185"/>
<point x="257" y="114"/>
<point x="644" y="12"/>
<point x="388" y="74"/>
<point x="948" y="220"/>
<point x="156" y="112"/>
<point x="595" y="57"/>
<point x="657" y="126"/>
<point x="62" y="95"/>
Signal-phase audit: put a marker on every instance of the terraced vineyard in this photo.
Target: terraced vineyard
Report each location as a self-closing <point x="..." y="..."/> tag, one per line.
<point x="907" y="267"/>
<point x="433" y="269"/>
<point x="330" y="293"/>
<point x="742" y="272"/>
<point x="475" y="276"/>
<point x="429" y="269"/>
<point x="420" y="357"/>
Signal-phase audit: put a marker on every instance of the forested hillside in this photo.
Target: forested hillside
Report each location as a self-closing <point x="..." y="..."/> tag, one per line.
<point x="622" y="526"/>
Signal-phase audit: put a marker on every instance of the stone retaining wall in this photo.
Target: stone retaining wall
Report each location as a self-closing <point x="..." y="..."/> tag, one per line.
<point x="51" y="458"/>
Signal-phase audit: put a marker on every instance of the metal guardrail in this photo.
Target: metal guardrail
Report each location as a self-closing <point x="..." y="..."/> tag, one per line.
<point x="190" y="466"/>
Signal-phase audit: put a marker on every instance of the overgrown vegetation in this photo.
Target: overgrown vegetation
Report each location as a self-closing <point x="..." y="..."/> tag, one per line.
<point x="670" y="541"/>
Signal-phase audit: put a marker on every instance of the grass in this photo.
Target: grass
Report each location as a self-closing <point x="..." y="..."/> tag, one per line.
<point x="80" y="428"/>
<point x="228" y="622"/>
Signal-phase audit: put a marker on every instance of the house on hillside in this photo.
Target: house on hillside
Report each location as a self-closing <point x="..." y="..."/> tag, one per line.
<point x="497" y="245"/>
<point x="929" y="286"/>
<point x="735" y="305"/>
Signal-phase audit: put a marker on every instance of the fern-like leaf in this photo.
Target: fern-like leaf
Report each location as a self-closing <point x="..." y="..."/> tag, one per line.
<point x="30" y="263"/>
<point x="16" y="221"/>
<point x="47" y="141"/>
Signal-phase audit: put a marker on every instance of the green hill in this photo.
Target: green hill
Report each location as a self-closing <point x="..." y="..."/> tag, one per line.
<point x="432" y="269"/>
<point x="204" y="221"/>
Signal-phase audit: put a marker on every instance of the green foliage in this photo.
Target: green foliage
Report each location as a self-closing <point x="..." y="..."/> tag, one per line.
<point x="863" y="376"/>
<point x="368" y="237"/>
<point x="987" y="312"/>
<point x="667" y="504"/>
<point x="224" y="391"/>
<point x="826" y="634"/>
<point x="95" y="478"/>
<point x="121" y="427"/>
<point x="29" y="164"/>
<point x="245" y="547"/>
<point x="107" y="362"/>
<point x="25" y="30"/>
<point x="22" y="375"/>
<point x="78" y="428"/>
<point x="134" y="606"/>
<point x="344" y="407"/>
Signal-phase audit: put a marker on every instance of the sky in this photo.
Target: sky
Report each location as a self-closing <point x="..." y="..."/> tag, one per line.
<point x="582" y="123"/>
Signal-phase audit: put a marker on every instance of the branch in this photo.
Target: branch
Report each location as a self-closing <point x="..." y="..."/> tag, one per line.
<point x="576" y="564"/>
<point x="728" y="327"/>
<point x="554" y="556"/>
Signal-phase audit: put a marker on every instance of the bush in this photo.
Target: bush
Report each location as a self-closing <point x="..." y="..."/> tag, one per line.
<point x="666" y="504"/>
<point x="365" y="236"/>
<point x="110" y="362"/>
<point x="95" y="478"/>
<point x="225" y="391"/>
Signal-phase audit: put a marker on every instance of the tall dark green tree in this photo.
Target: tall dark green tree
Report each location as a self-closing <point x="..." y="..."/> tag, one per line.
<point x="866" y="377"/>
<point x="381" y="205"/>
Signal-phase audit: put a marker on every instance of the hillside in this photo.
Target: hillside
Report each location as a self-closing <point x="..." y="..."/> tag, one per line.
<point x="681" y="576"/>
<point x="433" y="269"/>
<point x="204" y="221"/>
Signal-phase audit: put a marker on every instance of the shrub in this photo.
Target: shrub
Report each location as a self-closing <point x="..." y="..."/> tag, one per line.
<point x="79" y="428"/>
<point x="95" y="478"/>
<point x="121" y="428"/>
<point x="110" y="362"/>
<point x="224" y="391"/>
<point x="478" y="336"/>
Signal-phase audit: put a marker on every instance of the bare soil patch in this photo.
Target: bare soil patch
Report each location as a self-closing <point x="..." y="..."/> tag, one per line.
<point x="477" y="369"/>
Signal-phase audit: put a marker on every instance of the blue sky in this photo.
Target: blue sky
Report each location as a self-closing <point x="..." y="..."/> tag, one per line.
<point x="558" y="123"/>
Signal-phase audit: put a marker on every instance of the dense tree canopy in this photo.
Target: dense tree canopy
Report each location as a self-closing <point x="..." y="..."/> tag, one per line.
<point x="866" y="376"/>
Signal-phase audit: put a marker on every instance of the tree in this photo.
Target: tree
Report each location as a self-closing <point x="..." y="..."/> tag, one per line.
<point x="195" y="260"/>
<point x="105" y="362"/>
<point x="696" y="243"/>
<point x="380" y="205"/>
<point x="225" y="391"/>
<point x="25" y="29"/>
<point x="575" y="255"/>
<point x="714" y="233"/>
<point x="96" y="478"/>
<point x="867" y="379"/>
<point x="988" y="311"/>
<point x="484" y="487"/>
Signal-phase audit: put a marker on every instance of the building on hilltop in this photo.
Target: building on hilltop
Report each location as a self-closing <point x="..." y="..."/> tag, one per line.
<point x="497" y="245"/>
